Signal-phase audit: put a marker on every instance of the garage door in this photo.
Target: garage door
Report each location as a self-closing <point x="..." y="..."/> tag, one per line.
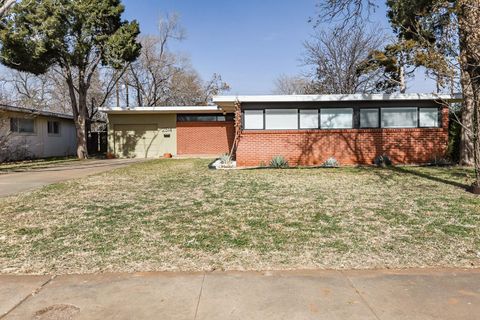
<point x="138" y="141"/>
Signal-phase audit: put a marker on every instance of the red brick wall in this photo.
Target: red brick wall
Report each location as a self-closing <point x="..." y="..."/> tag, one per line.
<point x="355" y="146"/>
<point x="204" y="138"/>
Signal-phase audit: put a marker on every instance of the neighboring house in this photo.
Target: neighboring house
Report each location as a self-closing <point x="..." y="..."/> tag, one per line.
<point x="305" y="129"/>
<point x="28" y="133"/>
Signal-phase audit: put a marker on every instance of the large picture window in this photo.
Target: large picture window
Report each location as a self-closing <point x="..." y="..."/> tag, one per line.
<point x="20" y="125"/>
<point x="341" y="118"/>
<point x="253" y="119"/>
<point x="369" y="118"/>
<point x="278" y="119"/>
<point x="309" y="119"/>
<point x="399" y="117"/>
<point x="428" y="117"/>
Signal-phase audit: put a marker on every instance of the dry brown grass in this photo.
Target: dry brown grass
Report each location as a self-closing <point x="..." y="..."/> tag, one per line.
<point x="178" y="215"/>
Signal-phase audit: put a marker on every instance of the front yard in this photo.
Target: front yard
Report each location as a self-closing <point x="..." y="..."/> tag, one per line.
<point x="178" y="215"/>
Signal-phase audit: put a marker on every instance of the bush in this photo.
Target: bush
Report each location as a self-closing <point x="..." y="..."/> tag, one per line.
<point x="279" y="162"/>
<point x="383" y="161"/>
<point x="331" y="163"/>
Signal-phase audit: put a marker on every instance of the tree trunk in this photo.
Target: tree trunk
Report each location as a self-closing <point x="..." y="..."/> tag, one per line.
<point x="477" y="140"/>
<point x="82" y="150"/>
<point x="80" y="116"/>
<point x="80" y="125"/>
<point x="466" y="138"/>
<point x="469" y="31"/>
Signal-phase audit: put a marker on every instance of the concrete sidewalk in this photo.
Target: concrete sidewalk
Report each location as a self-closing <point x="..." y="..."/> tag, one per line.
<point x="413" y="294"/>
<point x="15" y="182"/>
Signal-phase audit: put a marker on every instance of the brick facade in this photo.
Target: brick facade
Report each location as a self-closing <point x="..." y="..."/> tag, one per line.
<point x="349" y="147"/>
<point x="204" y="138"/>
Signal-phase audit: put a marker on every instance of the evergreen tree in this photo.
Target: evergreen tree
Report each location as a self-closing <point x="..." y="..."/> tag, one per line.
<point x="74" y="36"/>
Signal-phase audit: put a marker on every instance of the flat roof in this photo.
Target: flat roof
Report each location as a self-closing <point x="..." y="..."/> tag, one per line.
<point x="168" y="109"/>
<point x="36" y="112"/>
<point x="229" y="101"/>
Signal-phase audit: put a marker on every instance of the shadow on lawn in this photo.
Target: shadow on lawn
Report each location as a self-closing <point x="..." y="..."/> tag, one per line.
<point x="424" y="175"/>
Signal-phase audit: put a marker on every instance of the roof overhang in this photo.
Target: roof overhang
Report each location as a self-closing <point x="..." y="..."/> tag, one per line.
<point x="35" y="112"/>
<point x="163" y="110"/>
<point x="229" y="101"/>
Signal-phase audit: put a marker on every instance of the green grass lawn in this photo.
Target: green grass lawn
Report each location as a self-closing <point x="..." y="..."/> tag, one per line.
<point x="179" y="215"/>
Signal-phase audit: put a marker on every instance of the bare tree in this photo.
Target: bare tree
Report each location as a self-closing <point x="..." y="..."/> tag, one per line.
<point x="285" y="84"/>
<point x="335" y="58"/>
<point x="5" y="5"/>
<point x="161" y="77"/>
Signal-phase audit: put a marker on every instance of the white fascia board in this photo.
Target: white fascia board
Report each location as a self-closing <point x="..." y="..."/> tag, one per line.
<point x="221" y="100"/>
<point x="171" y="109"/>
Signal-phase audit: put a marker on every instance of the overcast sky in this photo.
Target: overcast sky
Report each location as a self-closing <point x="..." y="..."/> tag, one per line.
<point x="249" y="42"/>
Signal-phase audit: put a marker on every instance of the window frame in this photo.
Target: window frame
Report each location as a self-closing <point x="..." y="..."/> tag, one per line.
<point x="218" y="117"/>
<point x="297" y="121"/>
<point x="399" y="127"/>
<point x="58" y="126"/>
<point x="356" y="112"/>
<point x="335" y="108"/>
<point x="243" y="119"/>
<point x="300" y="121"/>
<point x="379" y="119"/>
<point x="439" y="118"/>
<point x="26" y="133"/>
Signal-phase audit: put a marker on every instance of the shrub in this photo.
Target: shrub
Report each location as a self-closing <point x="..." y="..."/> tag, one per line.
<point x="331" y="163"/>
<point x="278" y="162"/>
<point x="382" y="161"/>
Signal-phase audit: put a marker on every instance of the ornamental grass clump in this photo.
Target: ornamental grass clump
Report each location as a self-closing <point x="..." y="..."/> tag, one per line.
<point x="279" y="162"/>
<point x="331" y="163"/>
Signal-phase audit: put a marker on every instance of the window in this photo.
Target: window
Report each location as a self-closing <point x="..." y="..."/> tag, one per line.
<point x="341" y="118"/>
<point x="253" y="119"/>
<point x="369" y="118"/>
<point x="53" y="127"/>
<point x="399" y="117"/>
<point x="428" y="117"/>
<point x="204" y="117"/>
<point x="276" y="119"/>
<point x="20" y="125"/>
<point x="309" y="119"/>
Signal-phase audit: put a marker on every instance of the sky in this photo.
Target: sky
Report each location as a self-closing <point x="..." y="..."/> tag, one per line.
<point x="250" y="43"/>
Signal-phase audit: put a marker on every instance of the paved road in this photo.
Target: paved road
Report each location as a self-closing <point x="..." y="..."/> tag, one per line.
<point x="12" y="183"/>
<point x="392" y="295"/>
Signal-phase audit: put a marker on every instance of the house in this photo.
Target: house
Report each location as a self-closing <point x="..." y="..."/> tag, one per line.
<point x="28" y="133"/>
<point x="305" y="129"/>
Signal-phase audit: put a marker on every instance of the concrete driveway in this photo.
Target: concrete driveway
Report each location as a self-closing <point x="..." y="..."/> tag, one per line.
<point x="302" y="295"/>
<point x="16" y="182"/>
